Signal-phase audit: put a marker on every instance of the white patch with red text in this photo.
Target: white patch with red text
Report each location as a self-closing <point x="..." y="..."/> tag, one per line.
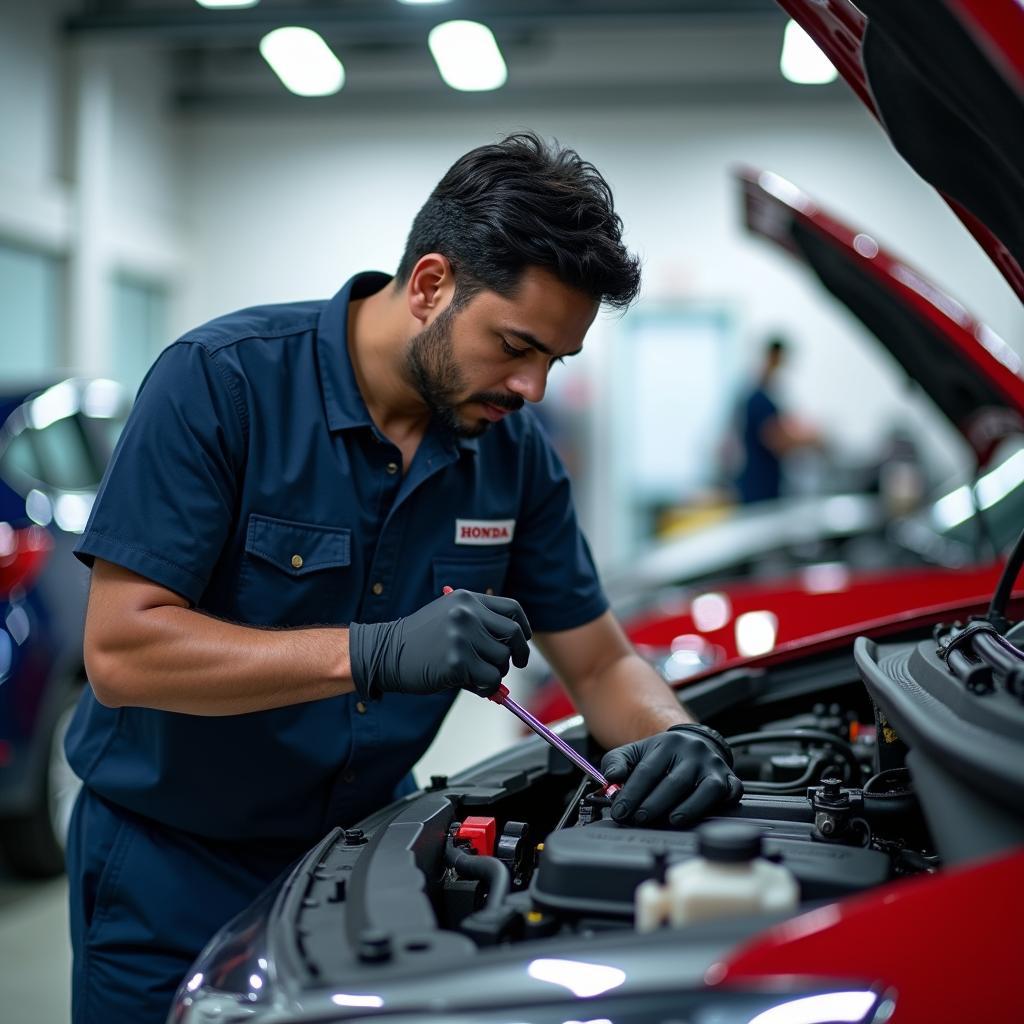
<point x="484" y="531"/>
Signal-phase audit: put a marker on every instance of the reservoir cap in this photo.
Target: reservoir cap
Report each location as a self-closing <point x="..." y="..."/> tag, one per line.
<point x="727" y="842"/>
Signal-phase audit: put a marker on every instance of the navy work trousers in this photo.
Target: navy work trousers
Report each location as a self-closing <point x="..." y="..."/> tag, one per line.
<point x="145" y="899"/>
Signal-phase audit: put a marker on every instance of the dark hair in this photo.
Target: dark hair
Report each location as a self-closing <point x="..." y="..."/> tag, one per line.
<point x="776" y="345"/>
<point x="523" y="203"/>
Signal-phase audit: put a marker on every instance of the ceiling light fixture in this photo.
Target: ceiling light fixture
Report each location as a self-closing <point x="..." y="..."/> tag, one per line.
<point x="467" y="56"/>
<point x="215" y="4"/>
<point x="303" y="61"/>
<point x="802" y="61"/>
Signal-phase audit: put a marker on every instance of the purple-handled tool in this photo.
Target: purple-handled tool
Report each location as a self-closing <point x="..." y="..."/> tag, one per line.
<point x="501" y="697"/>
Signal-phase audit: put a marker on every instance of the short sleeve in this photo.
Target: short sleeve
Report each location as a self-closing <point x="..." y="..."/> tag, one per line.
<point x="165" y="505"/>
<point x="552" y="573"/>
<point x="760" y="410"/>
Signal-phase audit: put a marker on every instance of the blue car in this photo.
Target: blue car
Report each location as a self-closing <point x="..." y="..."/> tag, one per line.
<point x="55" y="441"/>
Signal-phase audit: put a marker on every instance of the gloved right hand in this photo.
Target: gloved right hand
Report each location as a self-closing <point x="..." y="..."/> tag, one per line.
<point x="460" y="640"/>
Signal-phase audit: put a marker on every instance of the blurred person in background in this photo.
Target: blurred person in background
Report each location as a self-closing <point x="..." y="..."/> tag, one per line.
<point x="765" y="434"/>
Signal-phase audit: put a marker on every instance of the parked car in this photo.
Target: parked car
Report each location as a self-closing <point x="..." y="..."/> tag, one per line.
<point x="884" y="775"/>
<point x="55" y="441"/>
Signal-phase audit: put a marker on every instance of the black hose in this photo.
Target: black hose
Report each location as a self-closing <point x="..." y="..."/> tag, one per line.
<point x="573" y="803"/>
<point x="1001" y="598"/>
<point x="884" y="808"/>
<point x="486" y="869"/>
<point x="997" y="652"/>
<point x="894" y="777"/>
<point x="973" y="674"/>
<point x="840" y="745"/>
<point x="809" y="778"/>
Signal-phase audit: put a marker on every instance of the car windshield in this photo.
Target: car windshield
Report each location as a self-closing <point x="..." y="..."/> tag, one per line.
<point x="69" y="453"/>
<point x="973" y="520"/>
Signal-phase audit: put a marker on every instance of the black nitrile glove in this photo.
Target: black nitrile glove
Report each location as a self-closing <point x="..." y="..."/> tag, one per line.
<point x="459" y="640"/>
<point x="681" y="774"/>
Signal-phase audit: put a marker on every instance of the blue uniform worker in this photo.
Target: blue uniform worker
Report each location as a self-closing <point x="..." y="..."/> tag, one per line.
<point x="267" y="649"/>
<point x="767" y="434"/>
<point x="319" y="528"/>
<point x="760" y="478"/>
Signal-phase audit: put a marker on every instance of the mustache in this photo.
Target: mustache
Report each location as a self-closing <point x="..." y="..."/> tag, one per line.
<point x="511" y="402"/>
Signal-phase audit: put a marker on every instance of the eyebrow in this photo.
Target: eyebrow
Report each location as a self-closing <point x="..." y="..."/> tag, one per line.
<point x="537" y="344"/>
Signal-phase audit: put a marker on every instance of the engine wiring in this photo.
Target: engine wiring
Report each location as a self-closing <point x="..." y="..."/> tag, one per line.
<point x="835" y="743"/>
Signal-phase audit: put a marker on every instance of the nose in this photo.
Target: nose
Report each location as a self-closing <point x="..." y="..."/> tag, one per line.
<point x="530" y="382"/>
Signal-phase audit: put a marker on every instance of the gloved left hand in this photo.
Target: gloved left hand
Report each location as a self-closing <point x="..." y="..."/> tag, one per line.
<point x="683" y="773"/>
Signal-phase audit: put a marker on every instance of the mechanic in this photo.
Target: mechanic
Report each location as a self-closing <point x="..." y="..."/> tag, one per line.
<point x="266" y="643"/>
<point x="767" y="434"/>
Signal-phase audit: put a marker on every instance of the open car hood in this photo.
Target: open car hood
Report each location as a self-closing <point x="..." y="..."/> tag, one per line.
<point x="945" y="79"/>
<point x="970" y="373"/>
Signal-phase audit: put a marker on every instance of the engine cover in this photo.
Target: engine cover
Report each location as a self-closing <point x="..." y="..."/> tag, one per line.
<point x="596" y="869"/>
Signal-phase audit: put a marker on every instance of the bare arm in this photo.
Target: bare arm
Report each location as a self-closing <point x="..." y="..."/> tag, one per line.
<point x="783" y="434"/>
<point x="145" y="647"/>
<point x="620" y="695"/>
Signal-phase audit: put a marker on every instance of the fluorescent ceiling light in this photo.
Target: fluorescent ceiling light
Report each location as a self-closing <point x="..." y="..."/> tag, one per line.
<point x="414" y="3"/>
<point x="214" y="4"/>
<point x="303" y="61"/>
<point x="467" y="56"/>
<point x="802" y="62"/>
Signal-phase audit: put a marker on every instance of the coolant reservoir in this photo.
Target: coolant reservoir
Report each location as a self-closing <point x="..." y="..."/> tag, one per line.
<point x="728" y="878"/>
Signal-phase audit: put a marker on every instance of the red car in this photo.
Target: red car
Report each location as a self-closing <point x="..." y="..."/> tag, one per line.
<point x="883" y="811"/>
<point x="973" y="378"/>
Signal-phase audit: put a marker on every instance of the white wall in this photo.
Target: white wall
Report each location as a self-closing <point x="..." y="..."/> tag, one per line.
<point x="34" y="201"/>
<point x="88" y="166"/>
<point x="288" y="208"/>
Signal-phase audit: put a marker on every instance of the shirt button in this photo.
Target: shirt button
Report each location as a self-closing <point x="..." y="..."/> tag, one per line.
<point x="296" y="561"/>
<point x="392" y="468"/>
<point x="349" y="776"/>
<point x="361" y="707"/>
<point x="378" y="588"/>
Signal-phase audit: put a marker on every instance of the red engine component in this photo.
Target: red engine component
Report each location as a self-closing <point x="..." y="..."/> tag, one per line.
<point x="481" y="833"/>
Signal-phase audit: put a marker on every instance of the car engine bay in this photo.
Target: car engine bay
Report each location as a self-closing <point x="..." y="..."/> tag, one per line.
<point x="903" y="761"/>
<point x="513" y="851"/>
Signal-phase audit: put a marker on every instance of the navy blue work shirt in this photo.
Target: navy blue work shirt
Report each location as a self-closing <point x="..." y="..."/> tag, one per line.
<point x="251" y="480"/>
<point x="760" y="479"/>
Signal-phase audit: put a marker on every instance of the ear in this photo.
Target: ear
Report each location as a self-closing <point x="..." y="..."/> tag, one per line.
<point x="431" y="287"/>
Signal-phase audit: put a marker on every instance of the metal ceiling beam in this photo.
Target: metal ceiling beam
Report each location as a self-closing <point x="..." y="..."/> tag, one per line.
<point x="521" y="99"/>
<point x="366" y="20"/>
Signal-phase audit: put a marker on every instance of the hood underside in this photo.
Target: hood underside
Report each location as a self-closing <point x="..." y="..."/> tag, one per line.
<point x="945" y="78"/>
<point x="966" y="369"/>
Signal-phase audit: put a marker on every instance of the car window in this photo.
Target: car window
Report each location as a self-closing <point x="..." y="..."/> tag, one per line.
<point x="102" y="433"/>
<point x="998" y="492"/>
<point x="19" y="461"/>
<point x="65" y="460"/>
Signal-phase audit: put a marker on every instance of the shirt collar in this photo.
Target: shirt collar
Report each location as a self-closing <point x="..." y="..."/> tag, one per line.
<point x="343" y="401"/>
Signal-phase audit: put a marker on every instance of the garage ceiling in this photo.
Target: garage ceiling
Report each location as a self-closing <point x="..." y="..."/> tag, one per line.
<point x="626" y="53"/>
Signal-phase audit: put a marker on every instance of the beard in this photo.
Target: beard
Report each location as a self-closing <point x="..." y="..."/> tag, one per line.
<point x="433" y="372"/>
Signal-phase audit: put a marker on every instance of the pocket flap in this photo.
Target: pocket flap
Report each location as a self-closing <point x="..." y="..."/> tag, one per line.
<point x="481" y="575"/>
<point x="298" y="548"/>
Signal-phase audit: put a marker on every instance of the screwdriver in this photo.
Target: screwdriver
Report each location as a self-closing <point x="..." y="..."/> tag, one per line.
<point x="608" y="789"/>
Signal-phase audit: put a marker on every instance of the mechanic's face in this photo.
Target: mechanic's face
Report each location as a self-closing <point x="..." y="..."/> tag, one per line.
<point x="475" y="366"/>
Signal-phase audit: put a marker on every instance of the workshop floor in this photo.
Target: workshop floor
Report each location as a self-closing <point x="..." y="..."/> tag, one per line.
<point x="35" y="956"/>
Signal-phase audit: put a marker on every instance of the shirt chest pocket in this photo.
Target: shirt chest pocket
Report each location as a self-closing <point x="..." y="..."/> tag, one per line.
<point x="296" y="573"/>
<point x="483" y="574"/>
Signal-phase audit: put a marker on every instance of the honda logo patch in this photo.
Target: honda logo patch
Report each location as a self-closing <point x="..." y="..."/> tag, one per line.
<point x="484" y="531"/>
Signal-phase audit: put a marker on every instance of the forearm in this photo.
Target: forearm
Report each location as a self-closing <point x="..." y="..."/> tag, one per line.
<point x="177" y="659"/>
<point x="627" y="700"/>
